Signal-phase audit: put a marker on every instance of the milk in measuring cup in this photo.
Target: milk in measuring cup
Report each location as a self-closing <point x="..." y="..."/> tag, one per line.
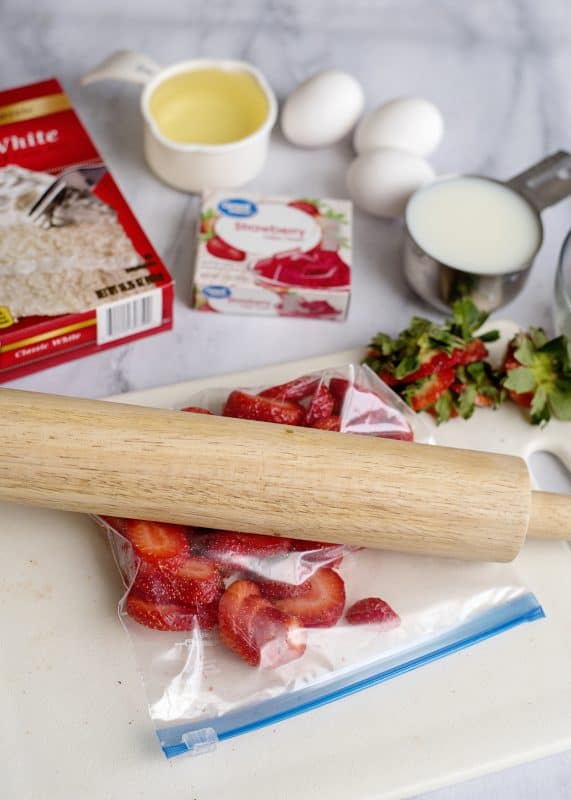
<point x="474" y="224"/>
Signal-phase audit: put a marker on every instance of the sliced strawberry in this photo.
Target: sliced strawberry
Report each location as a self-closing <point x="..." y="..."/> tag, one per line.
<point x="235" y="551"/>
<point x="310" y="544"/>
<point x="338" y="388"/>
<point x="321" y="605"/>
<point x="332" y="423"/>
<point x="193" y="580"/>
<point x="264" y="409"/>
<point x="404" y="435"/>
<point x="207" y="615"/>
<point x="429" y="390"/>
<point x="150" y="584"/>
<point x="117" y="523"/>
<point x="220" y="249"/>
<point x="307" y="206"/>
<point x="297" y="389"/>
<point x="256" y="631"/>
<point x="320" y="406"/>
<point x="197" y="410"/>
<point x="278" y="590"/>
<point x="475" y="350"/>
<point x="372" y="610"/>
<point x="160" y="616"/>
<point x="156" y="541"/>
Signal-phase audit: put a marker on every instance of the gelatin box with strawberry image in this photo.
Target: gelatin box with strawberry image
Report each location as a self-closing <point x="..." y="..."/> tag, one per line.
<point x="281" y="256"/>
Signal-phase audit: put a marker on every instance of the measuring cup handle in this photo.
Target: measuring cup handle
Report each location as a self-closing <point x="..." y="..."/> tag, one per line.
<point x="547" y="182"/>
<point x="124" y="65"/>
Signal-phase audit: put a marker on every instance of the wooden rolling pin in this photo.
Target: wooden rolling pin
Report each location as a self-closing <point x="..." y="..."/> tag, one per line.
<point x="122" y="460"/>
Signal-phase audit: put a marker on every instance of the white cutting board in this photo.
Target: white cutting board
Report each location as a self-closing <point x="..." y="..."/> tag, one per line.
<point x="74" y="722"/>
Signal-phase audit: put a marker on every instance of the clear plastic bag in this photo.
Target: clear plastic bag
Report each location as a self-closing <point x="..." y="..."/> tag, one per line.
<point x="233" y="631"/>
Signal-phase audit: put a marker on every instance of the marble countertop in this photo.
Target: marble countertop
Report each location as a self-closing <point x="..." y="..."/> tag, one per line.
<point x="500" y="74"/>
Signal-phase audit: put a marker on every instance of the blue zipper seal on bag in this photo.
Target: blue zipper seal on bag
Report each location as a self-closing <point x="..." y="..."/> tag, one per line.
<point x="202" y="736"/>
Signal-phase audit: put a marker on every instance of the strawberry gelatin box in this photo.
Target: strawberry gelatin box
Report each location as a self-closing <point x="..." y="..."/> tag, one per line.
<point x="77" y="273"/>
<point x="279" y="256"/>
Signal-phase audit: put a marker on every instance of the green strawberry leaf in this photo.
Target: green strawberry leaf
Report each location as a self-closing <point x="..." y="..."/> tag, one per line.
<point x="406" y="366"/>
<point x="465" y="402"/>
<point x="490" y="336"/>
<point x="466" y="317"/>
<point x="525" y="353"/>
<point x="538" y="337"/>
<point x="520" y="380"/>
<point x="443" y="407"/>
<point x="558" y="349"/>
<point x="540" y="413"/>
<point x="208" y="214"/>
<point x="384" y="343"/>
<point x="560" y="399"/>
<point x="205" y="237"/>
<point x="339" y="216"/>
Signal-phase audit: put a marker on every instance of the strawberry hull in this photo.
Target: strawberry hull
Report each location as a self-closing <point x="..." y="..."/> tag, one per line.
<point x="274" y="256"/>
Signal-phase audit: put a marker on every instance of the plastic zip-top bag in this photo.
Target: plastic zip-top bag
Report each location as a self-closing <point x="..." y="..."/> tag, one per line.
<point x="233" y="631"/>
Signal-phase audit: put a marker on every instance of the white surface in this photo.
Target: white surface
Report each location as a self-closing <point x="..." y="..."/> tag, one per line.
<point x="76" y="709"/>
<point x="498" y="71"/>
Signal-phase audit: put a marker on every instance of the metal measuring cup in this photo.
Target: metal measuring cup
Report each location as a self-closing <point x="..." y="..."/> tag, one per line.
<point x="440" y="284"/>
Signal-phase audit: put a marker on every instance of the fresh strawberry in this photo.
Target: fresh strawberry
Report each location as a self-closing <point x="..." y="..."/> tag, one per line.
<point x="426" y="392"/>
<point x="117" y="523"/>
<point x="264" y="409"/>
<point x="332" y="423"/>
<point x="207" y="615"/>
<point x="321" y="605"/>
<point x="372" y="610"/>
<point x="320" y="406"/>
<point x="156" y="541"/>
<point x="150" y="584"/>
<point x="277" y="590"/>
<point x="308" y="206"/>
<point x="160" y="616"/>
<point x="302" y="545"/>
<point x="538" y="375"/>
<point x="255" y="630"/>
<point x="293" y="390"/>
<point x="193" y="580"/>
<point x="338" y="388"/>
<point x="196" y="410"/>
<point x="220" y="249"/>
<point x="235" y="551"/>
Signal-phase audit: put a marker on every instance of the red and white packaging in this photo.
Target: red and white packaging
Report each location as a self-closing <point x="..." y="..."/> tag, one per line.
<point x="77" y="273"/>
<point x="278" y="256"/>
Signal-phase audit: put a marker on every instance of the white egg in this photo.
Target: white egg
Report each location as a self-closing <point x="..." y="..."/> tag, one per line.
<point x="323" y="109"/>
<point x="382" y="181"/>
<point x="408" y="123"/>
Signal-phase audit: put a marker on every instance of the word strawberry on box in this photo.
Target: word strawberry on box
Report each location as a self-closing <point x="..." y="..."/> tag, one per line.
<point x="274" y="256"/>
<point x="236" y="630"/>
